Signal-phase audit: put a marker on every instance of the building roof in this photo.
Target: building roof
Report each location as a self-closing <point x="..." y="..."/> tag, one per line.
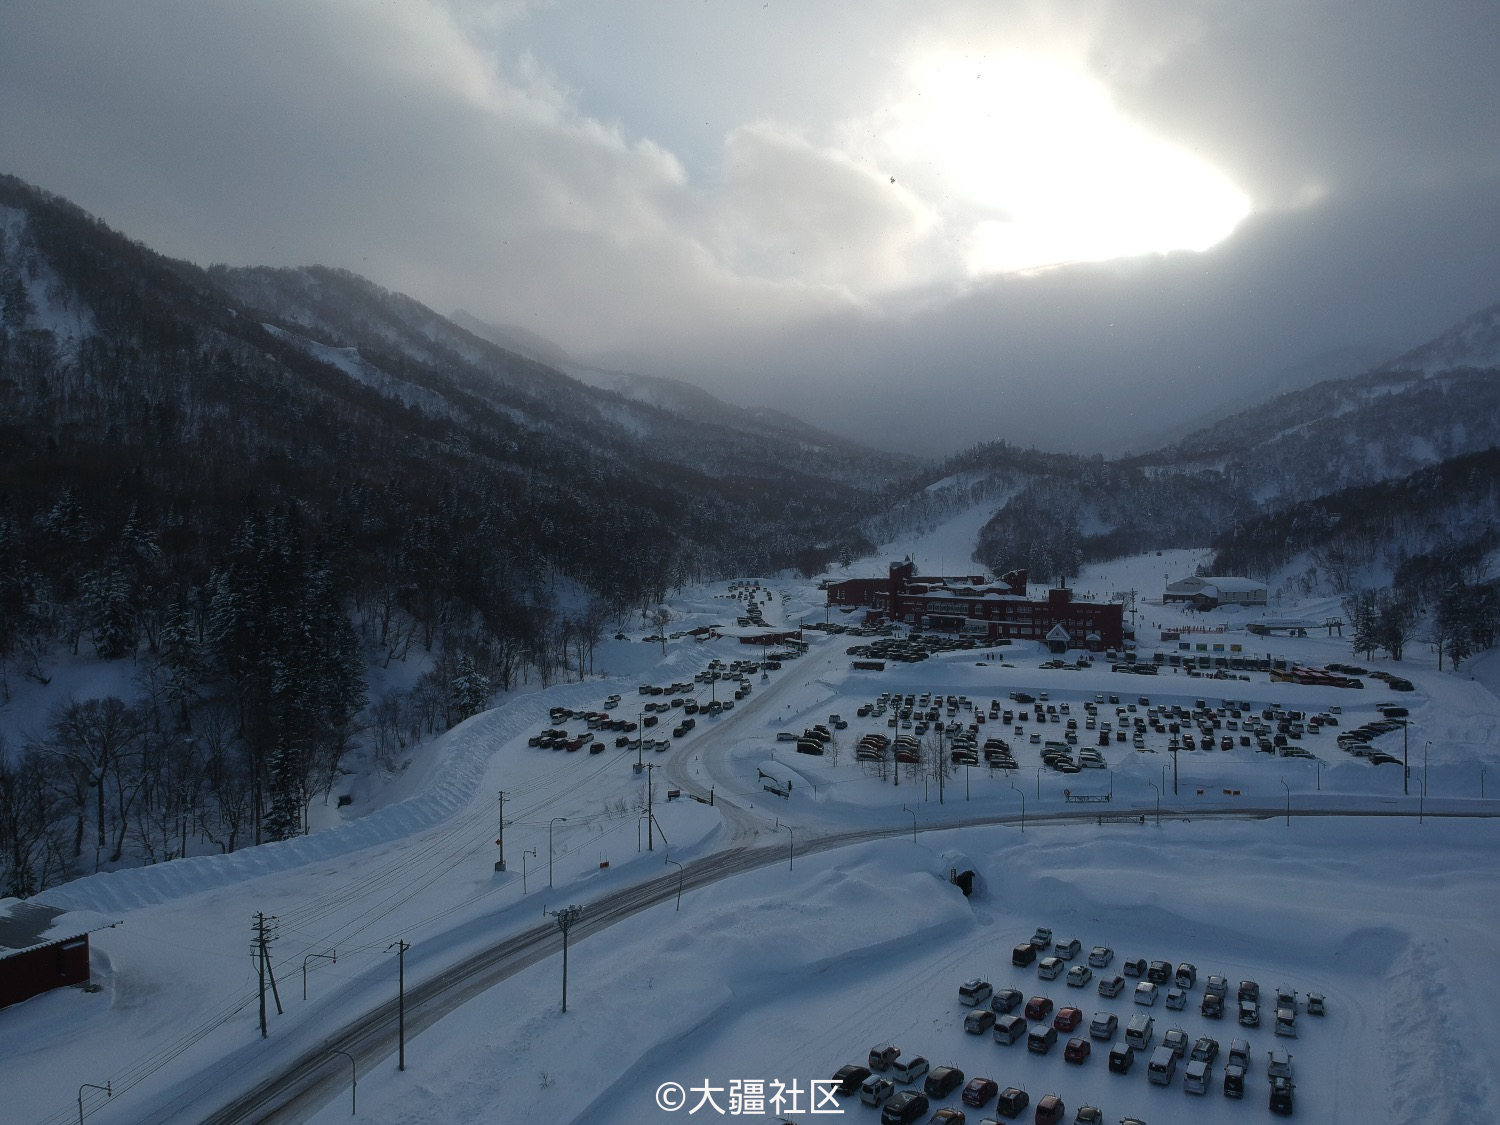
<point x="1223" y="582"/>
<point x="30" y="925"/>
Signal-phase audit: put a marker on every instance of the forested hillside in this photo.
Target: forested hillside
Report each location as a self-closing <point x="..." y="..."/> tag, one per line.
<point x="254" y="483"/>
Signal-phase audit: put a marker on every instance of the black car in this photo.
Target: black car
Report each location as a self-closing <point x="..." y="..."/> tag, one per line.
<point x="850" y="1078"/>
<point x="906" y="1107"/>
<point x="1006" y="1000"/>
<point x="942" y="1081"/>
<point x="1159" y="972"/>
<point x="1121" y="1056"/>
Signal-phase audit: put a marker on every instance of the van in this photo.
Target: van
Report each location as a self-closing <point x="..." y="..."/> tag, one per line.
<point x="1023" y="954"/>
<point x="1049" y="1110"/>
<point x="1140" y="1031"/>
<point x="1008" y="1029"/>
<point x="1163" y="1067"/>
<point x="1198" y="1076"/>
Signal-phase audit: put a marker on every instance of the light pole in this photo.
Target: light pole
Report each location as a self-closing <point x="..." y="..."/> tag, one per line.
<point x="400" y="946"/>
<point x="550" y="823"/>
<point x="1023" y="807"/>
<point x="1288" y="789"/>
<point x="353" y="1079"/>
<point x="1405" y="768"/>
<point x="913" y="822"/>
<point x="1422" y="800"/>
<point x="331" y="955"/>
<point x="526" y="852"/>
<point x="1425" y="748"/>
<point x="677" y="865"/>
<point x="791" y="841"/>
<point x="1039" y="783"/>
<point x="1320" y="774"/>
<point x="1158" y="800"/>
<point x="108" y="1093"/>
<point x="565" y="919"/>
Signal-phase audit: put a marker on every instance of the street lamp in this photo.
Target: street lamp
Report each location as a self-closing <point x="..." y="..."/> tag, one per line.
<point x="1405" y="768"/>
<point x="353" y="1078"/>
<point x="1023" y="807"/>
<point x="550" y="823"/>
<point x="1158" y="800"/>
<point x="791" y="842"/>
<point x="1422" y="800"/>
<point x="913" y="822"/>
<point x="1288" y="789"/>
<point x="677" y="865"/>
<point x="1039" y="783"/>
<point x="524" y="853"/>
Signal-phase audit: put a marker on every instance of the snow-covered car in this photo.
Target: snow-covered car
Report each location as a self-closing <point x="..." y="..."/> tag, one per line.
<point x="1006" y="1000"/>
<point x="1206" y="1048"/>
<point x="1067" y="949"/>
<point x="974" y="992"/>
<point x="1080" y="975"/>
<point x="1050" y="968"/>
<point x="979" y="1021"/>
<point x="1176" y="1040"/>
<point x="1111" y="986"/>
<point x="1145" y="993"/>
<point x="1176" y="999"/>
<point x="1100" y="956"/>
<point x="1042" y="938"/>
<point x="1133" y="966"/>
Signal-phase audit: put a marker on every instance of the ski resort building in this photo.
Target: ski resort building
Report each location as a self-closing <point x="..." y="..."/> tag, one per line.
<point x="999" y="609"/>
<point x="1210" y="591"/>
<point x="41" y="948"/>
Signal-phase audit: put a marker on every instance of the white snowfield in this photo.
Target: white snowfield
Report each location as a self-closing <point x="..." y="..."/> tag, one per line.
<point x="754" y="986"/>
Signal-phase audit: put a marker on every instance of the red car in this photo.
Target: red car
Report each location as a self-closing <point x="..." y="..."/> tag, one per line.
<point x="1067" y="1019"/>
<point x="1039" y="1008"/>
<point x="1076" y="1051"/>
<point x="979" y="1091"/>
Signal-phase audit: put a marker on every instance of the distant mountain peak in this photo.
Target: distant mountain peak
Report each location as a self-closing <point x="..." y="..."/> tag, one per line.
<point x="1471" y="344"/>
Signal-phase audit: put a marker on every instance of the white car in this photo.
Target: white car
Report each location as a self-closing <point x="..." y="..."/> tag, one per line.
<point x="1067" y="949"/>
<point x="1050" y="968"/>
<point x="1145" y="994"/>
<point x="1112" y="986"/>
<point x="1080" y="975"/>
<point x="876" y="1090"/>
<point x="1103" y="1026"/>
<point x="1176" y="999"/>
<point x="1100" y="956"/>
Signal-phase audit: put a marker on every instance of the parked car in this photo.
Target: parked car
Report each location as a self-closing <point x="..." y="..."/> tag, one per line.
<point x="876" y="1090"/>
<point x="1176" y="1041"/>
<point x="1089" y="1115"/>
<point x="905" y="1108"/>
<point x="1140" y="1031"/>
<point x="1249" y="1013"/>
<point x="1216" y="985"/>
<point x="1067" y="1019"/>
<point x="1080" y="975"/>
<point x="974" y="992"/>
<point x="1197" y="1077"/>
<point x="1134" y="967"/>
<point x="1205" y="1048"/>
<point x="979" y="1021"/>
<point x="1249" y="990"/>
<point x="1234" y="1081"/>
<point x="1041" y="1040"/>
<point x="1176" y="999"/>
<point x="1042" y="938"/>
<point x="1067" y="949"/>
<point x="1281" y="1096"/>
<point x="979" y="1091"/>
<point x="942" y="1081"/>
<point x="1011" y="1101"/>
<point x="1159" y="972"/>
<point x="1121" y="1057"/>
<point x="1023" y="955"/>
<point x="1076" y="1050"/>
<point x="948" y="1115"/>
<point x="1038" y="1008"/>
<point x="883" y="1055"/>
<point x="1006" y="1000"/>
<point x="1050" y="968"/>
<point x="907" y="1071"/>
<point x="1099" y="957"/>
<point x="1103" y="1026"/>
<point x="1050" y="1109"/>
<point x="1145" y="993"/>
<point x="1239" y="1053"/>
<point x="1212" y="1006"/>
<point x="1111" y="986"/>
<point x="1315" y="1004"/>
<point x="1008" y="1029"/>
<point x="850" y="1078"/>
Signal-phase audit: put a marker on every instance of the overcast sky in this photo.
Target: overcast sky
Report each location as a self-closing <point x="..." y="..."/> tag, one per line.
<point x="1076" y="224"/>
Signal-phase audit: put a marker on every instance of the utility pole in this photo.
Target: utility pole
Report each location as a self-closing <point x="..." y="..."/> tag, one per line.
<point x="265" y="927"/>
<point x="565" y="919"/>
<point x="650" y="820"/>
<point x="400" y="947"/>
<point x="500" y="839"/>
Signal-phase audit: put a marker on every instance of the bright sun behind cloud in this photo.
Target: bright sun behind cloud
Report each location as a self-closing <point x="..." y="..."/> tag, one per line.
<point x="1033" y="165"/>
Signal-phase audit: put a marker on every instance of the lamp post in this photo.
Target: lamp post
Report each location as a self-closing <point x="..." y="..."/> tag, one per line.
<point x="550" y="823"/>
<point x="108" y="1093"/>
<point x="566" y="917"/>
<point x="1158" y="800"/>
<point x="1320" y="774"/>
<point x="913" y="822"/>
<point x="526" y="852"/>
<point x="1288" y="789"/>
<point x="353" y="1079"/>
<point x="1422" y="800"/>
<point x="1023" y="807"/>
<point x="1405" y="768"/>
<point x="677" y="865"/>
<point x="790" y="843"/>
<point x="1039" y="783"/>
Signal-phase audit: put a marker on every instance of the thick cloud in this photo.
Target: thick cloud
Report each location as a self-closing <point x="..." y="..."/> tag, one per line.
<point x="775" y="202"/>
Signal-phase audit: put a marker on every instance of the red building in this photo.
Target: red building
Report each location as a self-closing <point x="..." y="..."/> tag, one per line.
<point x="39" y="950"/>
<point x="1000" y="609"/>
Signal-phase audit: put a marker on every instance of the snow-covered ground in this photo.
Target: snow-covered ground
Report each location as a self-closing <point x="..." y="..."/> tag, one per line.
<point x="788" y="971"/>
